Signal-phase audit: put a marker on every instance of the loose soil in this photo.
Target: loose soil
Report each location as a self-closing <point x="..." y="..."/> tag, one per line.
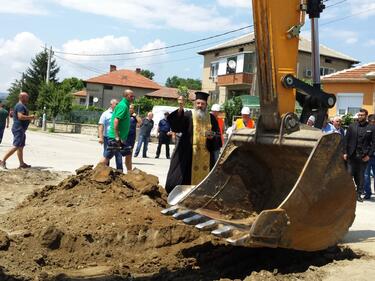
<point x="102" y="225"/>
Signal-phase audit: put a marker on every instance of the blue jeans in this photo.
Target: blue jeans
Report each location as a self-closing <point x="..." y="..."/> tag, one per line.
<point x="144" y="140"/>
<point x="118" y="155"/>
<point x="370" y="167"/>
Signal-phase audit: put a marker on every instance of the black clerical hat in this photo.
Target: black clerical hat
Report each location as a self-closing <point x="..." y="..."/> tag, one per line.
<point x="201" y="96"/>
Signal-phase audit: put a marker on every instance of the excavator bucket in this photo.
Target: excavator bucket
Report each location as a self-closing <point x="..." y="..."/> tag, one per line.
<point x="289" y="191"/>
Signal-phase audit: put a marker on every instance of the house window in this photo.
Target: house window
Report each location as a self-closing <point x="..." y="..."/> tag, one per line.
<point x="240" y="50"/>
<point x="82" y="101"/>
<point x="349" y="103"/>
<point x="217" y="54"/>
<point x="326" y="71"/>
<point x="231" y="65"/>
<point x="214" y="69"/>
<point x="91" y="100"/>
<point x="108" y="87"/>
<point x="328" y="60"/>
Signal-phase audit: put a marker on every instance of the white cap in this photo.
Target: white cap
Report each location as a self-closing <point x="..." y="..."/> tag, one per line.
<point x="245" y="110"/>
<point x="215" y="107"/>
<point x="312" y="118"/>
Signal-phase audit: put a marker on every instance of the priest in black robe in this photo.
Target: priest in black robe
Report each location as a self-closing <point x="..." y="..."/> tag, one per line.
<point x="198" y="136"/>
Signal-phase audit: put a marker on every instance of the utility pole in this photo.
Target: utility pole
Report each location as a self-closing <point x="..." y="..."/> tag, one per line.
<point x="49" y="64"/>
<point x="44" y="123"/>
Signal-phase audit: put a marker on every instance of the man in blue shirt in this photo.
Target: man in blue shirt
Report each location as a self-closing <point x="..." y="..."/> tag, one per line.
<point x="21" y="121"/>
<point x="104" y="126"/>
<point x="327" y="126"/>
<point x="164" y="130"/>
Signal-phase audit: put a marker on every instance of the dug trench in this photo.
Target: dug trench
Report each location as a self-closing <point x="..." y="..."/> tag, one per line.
<point x="101" y="225"/>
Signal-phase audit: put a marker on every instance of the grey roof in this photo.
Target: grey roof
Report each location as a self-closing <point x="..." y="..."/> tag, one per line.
<point x="304" y="46"/>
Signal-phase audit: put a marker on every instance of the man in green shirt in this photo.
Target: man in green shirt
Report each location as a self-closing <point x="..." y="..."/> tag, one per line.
<point x="4" y="120"/>
<point x="119" y="128"/>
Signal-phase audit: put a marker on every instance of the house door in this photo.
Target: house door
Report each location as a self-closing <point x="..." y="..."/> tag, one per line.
<point x="349" y="103"/>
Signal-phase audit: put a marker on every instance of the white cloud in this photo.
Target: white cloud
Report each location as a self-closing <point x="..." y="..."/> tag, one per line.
<point x="235" y="3"/>
<point x="155" y="14"/>
<point x="15" y="56"/>
<point x="89" y="66"/>
<point x="370" y="42"/>
<point x="29" y="7"/>
<point x="364" y="8"/>
<point x="346" y="36"/>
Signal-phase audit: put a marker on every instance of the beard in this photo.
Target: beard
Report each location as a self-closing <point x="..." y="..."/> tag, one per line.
<point x="201" y="113"/>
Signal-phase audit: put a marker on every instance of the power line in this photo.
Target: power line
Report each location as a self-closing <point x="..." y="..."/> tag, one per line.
<point x="160" y="54"/>
<point x="348" y="16"/>
<point x="156" y="49"/>
<point x="81" y="65"/>
<point x="337" y="3"/>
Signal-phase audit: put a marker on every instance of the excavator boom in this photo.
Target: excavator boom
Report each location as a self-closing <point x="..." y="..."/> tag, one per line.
<point x="283" y="184"/>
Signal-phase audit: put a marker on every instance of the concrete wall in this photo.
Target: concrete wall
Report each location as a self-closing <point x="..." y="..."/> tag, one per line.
<point x="304" y="62"/>
<point x="85" y="129"/>
<point x="104" y="96"/>
<point x="367" y="89"/>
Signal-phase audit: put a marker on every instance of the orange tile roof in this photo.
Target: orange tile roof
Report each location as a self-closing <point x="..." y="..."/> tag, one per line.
<point x="82" y="93"/>
<point x="358" y="74"/>
<point x="124" y="77"/>
<point x="169" y="93"/>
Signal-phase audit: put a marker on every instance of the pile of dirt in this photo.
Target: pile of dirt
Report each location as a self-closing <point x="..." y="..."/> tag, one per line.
<point x="104" y="225"/>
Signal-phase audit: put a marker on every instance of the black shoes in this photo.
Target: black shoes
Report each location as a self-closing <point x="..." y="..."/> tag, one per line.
<point x="359" y="198"/>
<point x="157" y="156"/>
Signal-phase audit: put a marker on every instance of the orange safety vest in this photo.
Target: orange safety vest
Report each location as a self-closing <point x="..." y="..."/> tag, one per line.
<point x="240" y="124"/>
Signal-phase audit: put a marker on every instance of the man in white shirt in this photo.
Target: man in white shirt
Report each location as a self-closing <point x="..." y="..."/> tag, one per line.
<point x="104" y="124"/>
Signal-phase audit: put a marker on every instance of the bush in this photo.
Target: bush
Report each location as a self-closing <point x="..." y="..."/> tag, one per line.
<point x="232" y="108"/>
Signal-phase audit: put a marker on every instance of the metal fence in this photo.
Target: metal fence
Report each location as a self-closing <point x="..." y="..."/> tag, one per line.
<point x="80" y="116"/>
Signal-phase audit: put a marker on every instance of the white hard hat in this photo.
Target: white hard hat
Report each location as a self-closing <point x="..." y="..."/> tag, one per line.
<point x="215" y="107"/>
<point x="245" y="110"/>
<point x="312" y="118"/>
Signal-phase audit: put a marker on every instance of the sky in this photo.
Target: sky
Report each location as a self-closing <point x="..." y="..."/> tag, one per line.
<point x="123" y="26"/>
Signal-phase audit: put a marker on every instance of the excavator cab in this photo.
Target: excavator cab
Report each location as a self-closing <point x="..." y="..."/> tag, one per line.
<point x="283" y="184"/>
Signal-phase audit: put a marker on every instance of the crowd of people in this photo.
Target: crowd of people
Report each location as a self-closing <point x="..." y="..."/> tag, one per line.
<point x="199" y="138"/>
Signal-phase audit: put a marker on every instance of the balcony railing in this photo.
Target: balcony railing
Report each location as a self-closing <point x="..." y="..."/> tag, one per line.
<point x="235" y="79"/>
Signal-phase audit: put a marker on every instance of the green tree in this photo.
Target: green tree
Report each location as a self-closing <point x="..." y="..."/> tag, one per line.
<point x="232" y="108"/>
<point x="36" y="76"/>
<point x="175" y="82"/>
<point x="147" y="73"/>
<point x="143" y="105"/>
<point x="72" y="85"/>
<point x="56" y="99"/>
<point x="183" y="91"/>
<point x="14" y="91"/>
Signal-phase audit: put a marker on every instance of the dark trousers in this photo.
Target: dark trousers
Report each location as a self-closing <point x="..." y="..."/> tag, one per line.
<point x="163" y="139"/>
<point x="370" y="168"/>
<point x="2" y="129"/>
<point x="159" y="149"/>
<point x="357" y="169"/>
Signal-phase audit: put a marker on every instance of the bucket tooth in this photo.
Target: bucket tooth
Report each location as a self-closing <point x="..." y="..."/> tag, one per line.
<point x="195" y="219"/>
<point x="170" y="211"/>
<point x="208" y="225"/>
<point x="180" y="215"/>
<point x="223" y="231"/>
<point x="238" y="241"/>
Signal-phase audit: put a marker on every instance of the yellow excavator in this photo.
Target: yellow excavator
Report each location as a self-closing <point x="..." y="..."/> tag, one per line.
<point x="283" y="184"/>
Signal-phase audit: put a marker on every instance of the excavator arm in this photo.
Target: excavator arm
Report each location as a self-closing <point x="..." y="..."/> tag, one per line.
<point x="283" y="184"/>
